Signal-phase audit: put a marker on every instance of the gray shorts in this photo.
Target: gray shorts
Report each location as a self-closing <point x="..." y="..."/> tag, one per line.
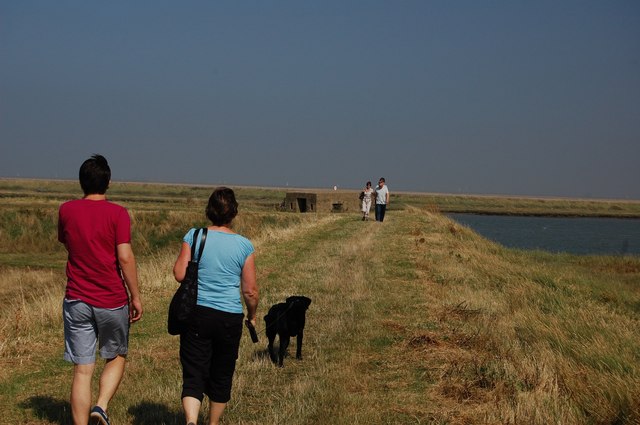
<point x="86" y="326"/>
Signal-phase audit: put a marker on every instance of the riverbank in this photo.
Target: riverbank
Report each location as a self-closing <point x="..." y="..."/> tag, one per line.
<point x="521" y="206"/>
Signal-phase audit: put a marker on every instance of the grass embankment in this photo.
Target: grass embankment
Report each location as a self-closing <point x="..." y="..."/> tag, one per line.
<point x="416" y="320"/>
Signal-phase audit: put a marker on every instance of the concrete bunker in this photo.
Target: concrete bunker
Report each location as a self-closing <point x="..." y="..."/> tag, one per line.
<point x="329" y="201"/>
<point x="300" y="202"/>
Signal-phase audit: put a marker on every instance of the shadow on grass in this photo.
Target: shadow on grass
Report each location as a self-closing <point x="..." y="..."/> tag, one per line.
<point x="49" y="409"/>
<point x="59" y="412"/>
<point x="149" y="413"/>
<point x="260" y="354"/>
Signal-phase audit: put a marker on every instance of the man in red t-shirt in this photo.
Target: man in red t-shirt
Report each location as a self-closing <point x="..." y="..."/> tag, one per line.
<point x="97" y="308"/>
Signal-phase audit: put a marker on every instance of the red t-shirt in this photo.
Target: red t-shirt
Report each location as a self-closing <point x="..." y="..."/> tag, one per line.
<point x="91" y="231"/>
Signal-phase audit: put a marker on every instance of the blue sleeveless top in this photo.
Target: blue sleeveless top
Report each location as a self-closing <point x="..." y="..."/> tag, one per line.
<point x="220" y="269"/>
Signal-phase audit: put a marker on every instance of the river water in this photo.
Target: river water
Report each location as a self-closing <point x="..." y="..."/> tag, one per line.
<point x="576" y="235"/>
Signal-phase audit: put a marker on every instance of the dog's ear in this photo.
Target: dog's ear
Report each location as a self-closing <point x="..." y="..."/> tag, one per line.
<point x="293" y="299"/>
<point x="306" y="301"/>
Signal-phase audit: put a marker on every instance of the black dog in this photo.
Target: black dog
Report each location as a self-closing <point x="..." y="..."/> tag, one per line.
<point x="286" y="320"/>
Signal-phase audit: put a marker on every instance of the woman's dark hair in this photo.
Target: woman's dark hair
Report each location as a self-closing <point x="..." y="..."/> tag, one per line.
<point x="222" y="207"/>
<point x="368" y="183"/>
<point x="95" y="175"/>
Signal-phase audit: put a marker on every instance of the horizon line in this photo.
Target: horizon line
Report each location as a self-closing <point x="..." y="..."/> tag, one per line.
<point x="346" y="189"/>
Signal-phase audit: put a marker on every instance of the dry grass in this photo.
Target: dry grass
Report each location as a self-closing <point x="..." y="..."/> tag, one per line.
<point x="417" y="320"/>
<point x="526" y="337"/>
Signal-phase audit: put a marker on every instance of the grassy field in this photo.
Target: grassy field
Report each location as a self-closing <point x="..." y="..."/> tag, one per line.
<point x="417" y="320"/>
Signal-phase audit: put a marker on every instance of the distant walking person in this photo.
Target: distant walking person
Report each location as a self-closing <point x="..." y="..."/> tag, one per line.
<point x="97" y="309"/>
<point x="366" y="201"/>
<point x="382" y="199"/>
<point x="209" y="346"/>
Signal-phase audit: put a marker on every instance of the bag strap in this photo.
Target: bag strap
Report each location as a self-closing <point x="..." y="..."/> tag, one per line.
<point x="203" y="238"/>
<point x="193" y="243"/>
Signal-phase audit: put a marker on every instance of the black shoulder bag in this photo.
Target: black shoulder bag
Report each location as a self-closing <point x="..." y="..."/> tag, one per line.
<point x="184" y="300"/>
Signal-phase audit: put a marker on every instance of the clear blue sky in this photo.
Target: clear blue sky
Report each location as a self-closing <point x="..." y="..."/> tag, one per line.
<point x="499" y="97"/>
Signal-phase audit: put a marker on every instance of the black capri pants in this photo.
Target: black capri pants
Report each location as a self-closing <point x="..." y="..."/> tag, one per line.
<point x="208" y="353"/>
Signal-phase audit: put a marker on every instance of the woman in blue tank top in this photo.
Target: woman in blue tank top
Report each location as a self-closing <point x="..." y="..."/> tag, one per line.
<point x="209" y="347"/>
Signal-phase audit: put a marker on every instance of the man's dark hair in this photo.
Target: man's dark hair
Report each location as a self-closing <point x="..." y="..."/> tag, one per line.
<point x="95" y="175"/>
<point x="222" y="207"/>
